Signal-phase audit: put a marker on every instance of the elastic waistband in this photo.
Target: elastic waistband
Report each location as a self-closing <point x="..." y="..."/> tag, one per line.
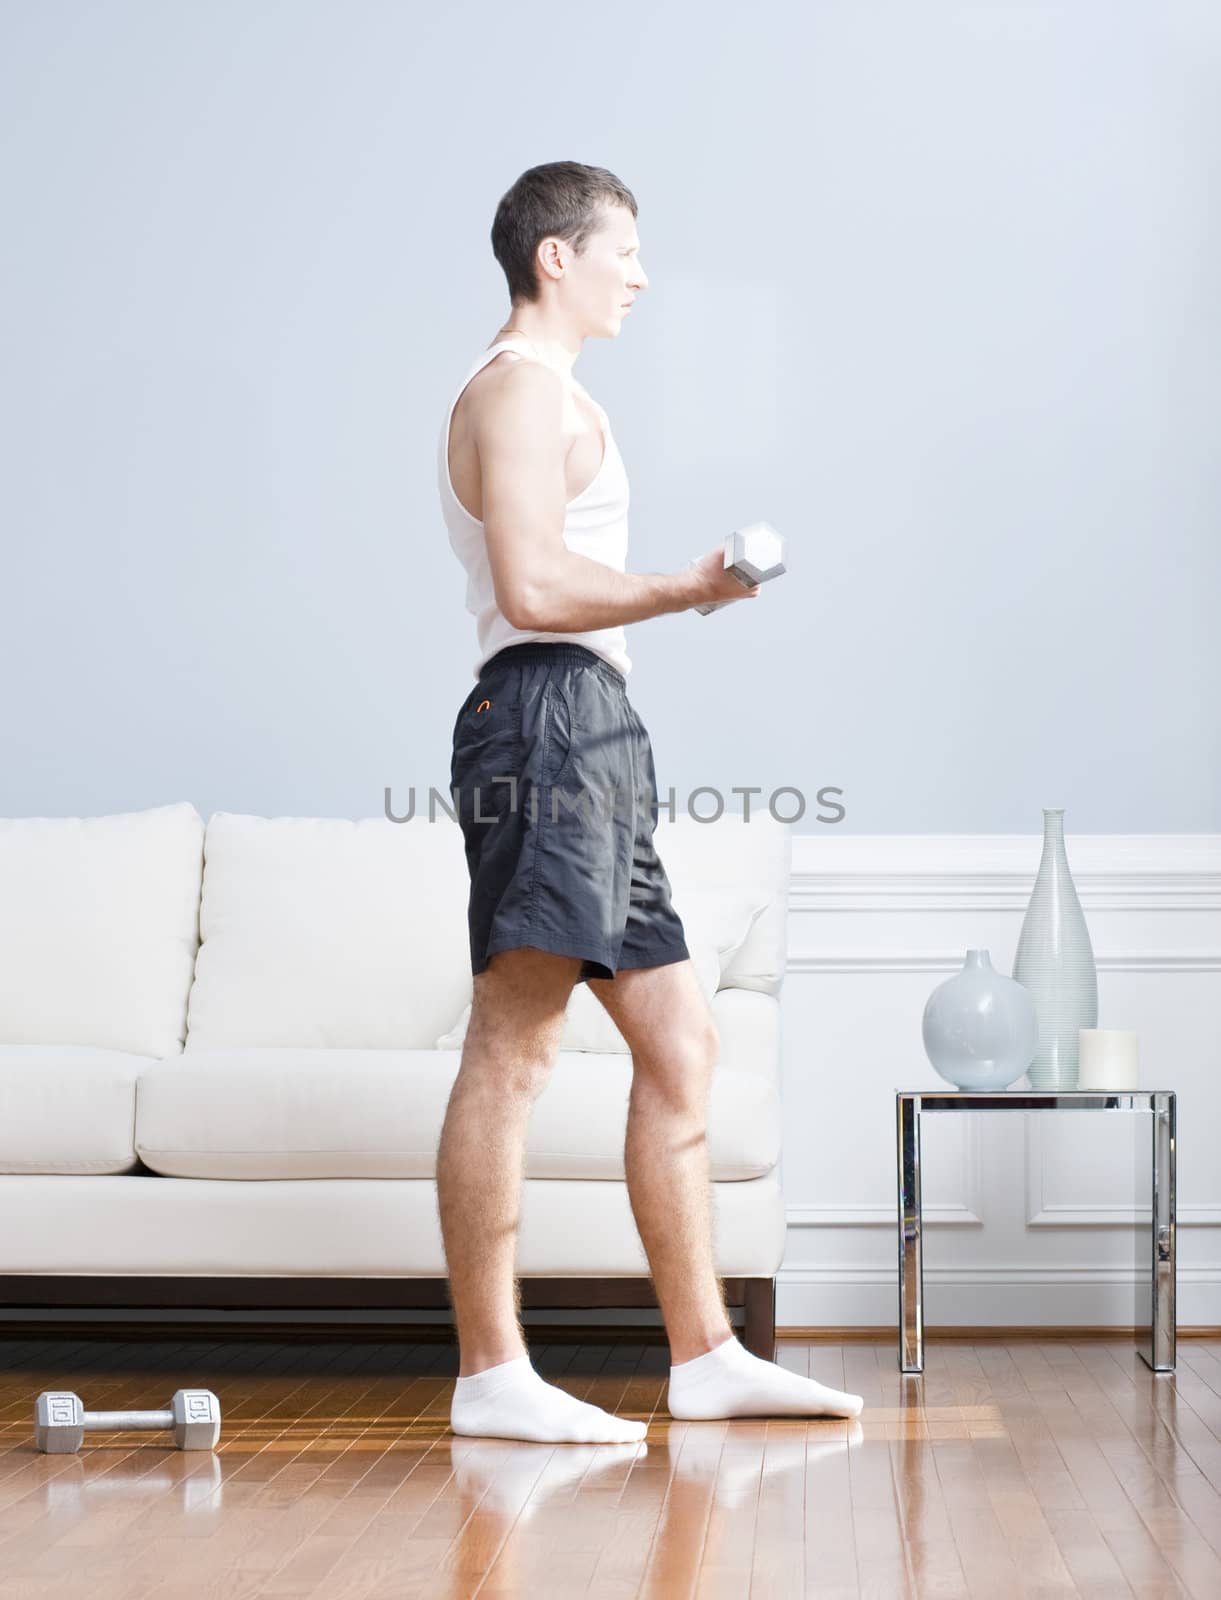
<point x="556" y="650"/>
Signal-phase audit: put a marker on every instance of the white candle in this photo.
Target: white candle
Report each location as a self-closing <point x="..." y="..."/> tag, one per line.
<point x="1108" y="1059"/>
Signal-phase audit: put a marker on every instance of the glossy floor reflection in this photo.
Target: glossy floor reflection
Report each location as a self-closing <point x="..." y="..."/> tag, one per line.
<point x="1006" y="1468"/>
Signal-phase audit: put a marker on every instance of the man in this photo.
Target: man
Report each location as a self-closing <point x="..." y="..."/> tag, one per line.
<point x="568" y="887"/>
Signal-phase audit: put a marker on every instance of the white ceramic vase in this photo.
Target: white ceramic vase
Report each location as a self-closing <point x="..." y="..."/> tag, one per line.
<point x="1055" y="961"/>
<point x="980" y="1028"/>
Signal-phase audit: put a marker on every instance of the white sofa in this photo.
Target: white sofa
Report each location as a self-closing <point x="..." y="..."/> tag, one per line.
<point x="220" y="1081"/>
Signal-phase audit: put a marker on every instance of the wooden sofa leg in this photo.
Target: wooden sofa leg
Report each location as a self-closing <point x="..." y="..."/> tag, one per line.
<point x="760" y="1331"/>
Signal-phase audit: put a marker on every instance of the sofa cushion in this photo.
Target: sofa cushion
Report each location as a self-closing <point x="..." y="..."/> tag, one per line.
<point x="98" y="928"/>
<point x="145" y="1226"/>
<point x="329" y="933"/>
<point x="283" y="1113"/>
<point x="67" y="1109"/>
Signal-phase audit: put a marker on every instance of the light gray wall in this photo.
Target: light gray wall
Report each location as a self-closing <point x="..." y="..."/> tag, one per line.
<point x="934" y="289"/>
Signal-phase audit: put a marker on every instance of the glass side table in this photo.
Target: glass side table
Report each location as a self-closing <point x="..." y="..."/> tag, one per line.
<point x="1154" y="1301"/>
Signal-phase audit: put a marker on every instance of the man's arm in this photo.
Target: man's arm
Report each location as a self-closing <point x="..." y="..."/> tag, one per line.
<point x="540" y="583"/>
<point x="584" y="594"/>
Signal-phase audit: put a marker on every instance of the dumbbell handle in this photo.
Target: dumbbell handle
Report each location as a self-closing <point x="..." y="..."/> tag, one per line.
<point x="128" y="1419"/>
<point x="715" y="605"/>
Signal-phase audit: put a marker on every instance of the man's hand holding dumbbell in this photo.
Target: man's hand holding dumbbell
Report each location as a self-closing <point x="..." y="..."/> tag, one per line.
<point x="748" y="558"/>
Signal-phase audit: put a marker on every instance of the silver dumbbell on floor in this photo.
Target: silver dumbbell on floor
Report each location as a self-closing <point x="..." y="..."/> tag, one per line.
<point x="61" y="1421"/>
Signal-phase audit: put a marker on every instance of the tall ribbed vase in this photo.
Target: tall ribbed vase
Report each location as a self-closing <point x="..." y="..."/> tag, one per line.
<point x="1055" y="961"/>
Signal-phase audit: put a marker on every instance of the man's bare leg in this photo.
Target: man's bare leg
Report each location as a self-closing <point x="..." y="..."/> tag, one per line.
<point x="663" y="1015"/>
<point x="510" y="1047"/>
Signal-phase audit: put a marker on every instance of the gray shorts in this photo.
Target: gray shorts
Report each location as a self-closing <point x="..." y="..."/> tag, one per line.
<point x="555" y="791"/>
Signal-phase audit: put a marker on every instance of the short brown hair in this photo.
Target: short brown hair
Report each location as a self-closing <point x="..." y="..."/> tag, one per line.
<point x="562" y="199"/>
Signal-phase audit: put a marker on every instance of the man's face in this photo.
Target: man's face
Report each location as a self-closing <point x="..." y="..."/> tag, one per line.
<point x="608" y="276"/>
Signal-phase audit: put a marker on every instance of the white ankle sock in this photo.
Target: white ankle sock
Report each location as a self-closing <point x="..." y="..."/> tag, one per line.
<point x="511" y="1401"/>
<point x="729" y="1382"/>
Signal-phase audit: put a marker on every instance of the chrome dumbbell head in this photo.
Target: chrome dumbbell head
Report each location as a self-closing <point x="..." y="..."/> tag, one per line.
<point x="755" y="553"/>
<point x="196" y="1421"/>
<point x="59" y="1422"/>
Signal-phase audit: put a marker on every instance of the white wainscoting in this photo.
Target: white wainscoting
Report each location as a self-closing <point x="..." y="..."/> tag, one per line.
<point x="1029" y="1218"/>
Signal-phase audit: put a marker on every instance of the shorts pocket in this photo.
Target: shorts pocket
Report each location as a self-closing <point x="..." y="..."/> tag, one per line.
<point x="487" y="748"/>
<point x="561" y="726"/>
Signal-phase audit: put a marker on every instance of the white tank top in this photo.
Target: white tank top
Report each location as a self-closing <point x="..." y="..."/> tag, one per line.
<point x="595" y="525"/>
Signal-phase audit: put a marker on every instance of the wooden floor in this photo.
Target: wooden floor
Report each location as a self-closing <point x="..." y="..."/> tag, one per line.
<point x="1017" y="1468"/>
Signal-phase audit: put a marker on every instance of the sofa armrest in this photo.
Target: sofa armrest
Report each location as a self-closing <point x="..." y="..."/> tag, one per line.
<point x="748" y="1024"/>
